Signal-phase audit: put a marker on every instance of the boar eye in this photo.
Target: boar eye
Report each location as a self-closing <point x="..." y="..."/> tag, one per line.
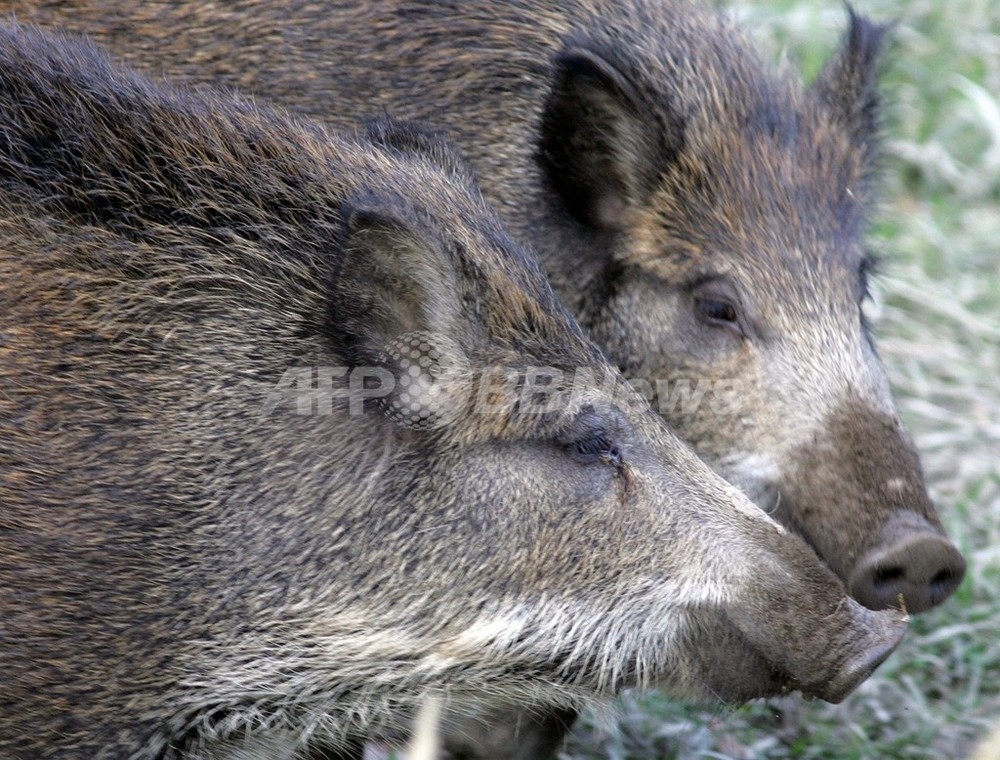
<point x="595" y="447"/>
<point x="716" y="311"/>
<point x="716" y="303"/>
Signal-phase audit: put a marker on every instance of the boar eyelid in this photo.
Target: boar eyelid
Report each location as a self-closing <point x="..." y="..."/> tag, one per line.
<point x="595" y="446"/>
<point x="717" y="302"/>
<point x="717" y="310"/>
<point x="720" y="312"/>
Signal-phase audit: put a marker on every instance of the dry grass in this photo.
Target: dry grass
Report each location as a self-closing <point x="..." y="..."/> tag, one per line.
<point x="939" y="334"/>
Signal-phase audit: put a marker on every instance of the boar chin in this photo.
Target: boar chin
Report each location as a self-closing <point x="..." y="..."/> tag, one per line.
<point x="737" y="667"/>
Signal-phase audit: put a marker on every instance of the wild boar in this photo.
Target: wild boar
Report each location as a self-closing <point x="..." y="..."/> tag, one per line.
<point x="192" y="565"/>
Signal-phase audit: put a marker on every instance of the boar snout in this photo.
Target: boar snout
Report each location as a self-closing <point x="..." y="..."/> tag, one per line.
<point x="799" y="630"/>
<point x="880" y="634"/>
<point x="912" y="560"/>
<point x="857" y="494"/>
<point x="854" y="642"/>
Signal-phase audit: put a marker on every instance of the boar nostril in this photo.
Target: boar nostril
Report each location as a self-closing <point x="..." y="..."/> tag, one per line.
<point x="914" y="562"/>
<point x="883" y="575"/>
<point x="943" y="578"/>
<point x="945" y="582"/>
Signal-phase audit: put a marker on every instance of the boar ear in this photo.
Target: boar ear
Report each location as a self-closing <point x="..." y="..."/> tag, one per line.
<point x="392" y="279"/>
<point x="601" y="143"/>
<point x="848" y="84"/>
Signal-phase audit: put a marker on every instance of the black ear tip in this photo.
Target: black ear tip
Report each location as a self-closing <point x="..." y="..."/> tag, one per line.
<point x="865" y="38"/>
<point x="359" y="215"/>
<point x="587" y="63"/>
<point x="575" y="59"/>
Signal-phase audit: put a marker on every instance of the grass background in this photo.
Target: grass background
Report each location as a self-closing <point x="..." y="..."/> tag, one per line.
<point x="937" y="315"/>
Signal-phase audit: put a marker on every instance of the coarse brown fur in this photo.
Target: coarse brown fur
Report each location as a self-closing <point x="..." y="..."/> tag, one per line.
<point x="701" y="213"/>
<point x="191" y="567"/>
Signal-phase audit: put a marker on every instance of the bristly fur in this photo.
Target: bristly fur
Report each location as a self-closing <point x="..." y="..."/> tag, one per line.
<point x="189" y="576"/>
<point x="655" y="162"/>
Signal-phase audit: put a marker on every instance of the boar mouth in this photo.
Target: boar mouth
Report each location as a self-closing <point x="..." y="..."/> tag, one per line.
<point x="767" y="651"/>
<point x="851" y="675"/>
